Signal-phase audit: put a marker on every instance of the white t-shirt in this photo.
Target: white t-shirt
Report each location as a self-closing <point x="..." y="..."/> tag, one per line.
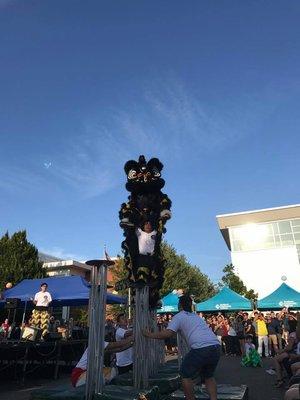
<point x="231" y="331"/>
<point x="124" y="358"/>
<point x="195" y="330"/>
<point x="146" y="241"/>
<point x="82" y="363"/>
<point x="43" y="299"/>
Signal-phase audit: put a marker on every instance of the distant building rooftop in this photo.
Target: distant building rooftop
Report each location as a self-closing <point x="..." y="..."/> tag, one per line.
<point x="256" y="216"/>
<point x="55" y="266"/>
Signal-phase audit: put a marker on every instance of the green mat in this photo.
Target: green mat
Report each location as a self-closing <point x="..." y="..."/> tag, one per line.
<point x="225" y="392"/>
<point x="111" y="392"/>
<point x="61" y="392"/>
<point x="166" y="382"/>
<point x="163" y="383"/>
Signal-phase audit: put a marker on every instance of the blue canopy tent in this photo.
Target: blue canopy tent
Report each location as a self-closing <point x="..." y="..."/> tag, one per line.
<point x="169" y="303"/>
<point x="284" y="296"/>
<point x="65" y="291"/>
<point x="225" y="300"/>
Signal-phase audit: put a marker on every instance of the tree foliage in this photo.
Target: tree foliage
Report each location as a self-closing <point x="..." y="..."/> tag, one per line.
<point x="18" y="259"/>
<point x="180" y="274"/>
<point x="233" y="281"/>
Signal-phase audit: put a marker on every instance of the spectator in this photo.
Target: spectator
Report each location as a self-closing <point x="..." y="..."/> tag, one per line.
<point x="110" y="331"/>
<point x="234" y="347"/>
<point x="283" y="358"/>
<point x="52" y="325"/>
<point x="239" y="328"/>
<point x="293" y="393"/>
<point x="248" y="326"/>
<point x="262" y="334"/>
<point x="249" y="345"/>
<point x="273" y="327"/>
<point x="283" y="316"/>
<point x="225" y="337"/>
<point x="5" y="327"/>
<point x="292" y="322"/>
<point x="219" y="328"/>
<point x="254" y="324"/>
<point x="280" y="329"/>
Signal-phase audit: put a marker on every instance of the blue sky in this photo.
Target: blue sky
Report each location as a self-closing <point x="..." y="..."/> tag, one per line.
<point x="210" y="87"/>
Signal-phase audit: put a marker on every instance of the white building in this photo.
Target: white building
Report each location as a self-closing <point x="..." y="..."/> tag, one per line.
<point x="264" y="246"/>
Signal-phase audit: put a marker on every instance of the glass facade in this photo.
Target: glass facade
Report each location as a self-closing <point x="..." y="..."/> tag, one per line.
<point x="267" y="235"/>
<point x="61" y="272"/>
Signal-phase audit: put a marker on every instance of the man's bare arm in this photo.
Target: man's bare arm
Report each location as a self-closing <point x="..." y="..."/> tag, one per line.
<point x="165" y="334"/>
<point x="121" y="345"/>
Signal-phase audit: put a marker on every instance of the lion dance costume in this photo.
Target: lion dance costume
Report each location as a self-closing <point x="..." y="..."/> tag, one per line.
<point x="143" y="220"/>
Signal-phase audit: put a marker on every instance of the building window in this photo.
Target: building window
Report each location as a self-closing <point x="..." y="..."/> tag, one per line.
<point x="61" y="272"/>
<point x="268" y="235"/>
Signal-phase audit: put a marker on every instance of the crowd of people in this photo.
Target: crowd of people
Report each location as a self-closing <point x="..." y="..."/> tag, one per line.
<point x="268" y="331"/>
<point x="273" y="335"/>
<point x="65" y="329"/>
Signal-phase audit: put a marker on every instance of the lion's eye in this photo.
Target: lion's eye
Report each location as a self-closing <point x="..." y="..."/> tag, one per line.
<point x="156" y="172"/>
<point x="132" y="174"/>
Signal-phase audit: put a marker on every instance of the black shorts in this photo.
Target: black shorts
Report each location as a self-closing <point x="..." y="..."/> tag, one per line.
<point x="201" y="362"/>
<point x="124" y="370"/>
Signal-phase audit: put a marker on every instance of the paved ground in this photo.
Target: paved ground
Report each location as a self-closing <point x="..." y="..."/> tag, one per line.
<point x="261" y="384"/>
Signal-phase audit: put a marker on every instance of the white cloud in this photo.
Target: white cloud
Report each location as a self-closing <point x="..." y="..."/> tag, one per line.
<point x="169" y="122"/>
<point x="19" y="180"/>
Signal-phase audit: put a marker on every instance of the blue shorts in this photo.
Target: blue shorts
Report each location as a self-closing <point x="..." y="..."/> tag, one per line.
<point x="201" y="362"/>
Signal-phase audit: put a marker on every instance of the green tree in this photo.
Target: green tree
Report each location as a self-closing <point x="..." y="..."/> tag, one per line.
<point x="233" y="281"/>
<point x="18" y="259"/>
<point x="180" y="274"/>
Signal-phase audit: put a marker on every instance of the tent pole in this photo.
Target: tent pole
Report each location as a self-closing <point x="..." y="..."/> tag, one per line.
<point x="101" y="333"/>
<point x="97" y="310"/>
<point x="90" y="381"/>
<point x="129" y="304"/>
<point x="24" y="313"/>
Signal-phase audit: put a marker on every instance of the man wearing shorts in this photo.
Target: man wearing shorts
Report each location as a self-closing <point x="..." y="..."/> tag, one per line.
<point x="204" y="347"/>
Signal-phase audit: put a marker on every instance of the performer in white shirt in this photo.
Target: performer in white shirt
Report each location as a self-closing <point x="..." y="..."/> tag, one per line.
<point x="146" y="239"/>
<point x="40" y="314"/>
<point x="124" y="358"/>
<point x="78" y="376"/>
<point x="204" y="354"/>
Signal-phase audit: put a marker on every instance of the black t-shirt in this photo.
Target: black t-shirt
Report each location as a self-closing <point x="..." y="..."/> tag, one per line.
<point x="248" y="327"/>
<point x="292" y="325"/>
<point x="273" y="326"/>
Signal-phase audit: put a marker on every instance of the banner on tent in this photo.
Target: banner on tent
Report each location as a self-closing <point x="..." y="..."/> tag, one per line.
<point x="223" y="306"/>
<point x="169" y="308"/>
<point x="287" y="303"/>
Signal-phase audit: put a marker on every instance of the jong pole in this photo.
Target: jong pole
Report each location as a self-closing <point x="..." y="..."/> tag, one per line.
<point x="97" y="314"/>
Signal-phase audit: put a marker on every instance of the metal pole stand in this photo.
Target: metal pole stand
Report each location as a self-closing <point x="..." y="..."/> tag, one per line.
<point x="97" y="313"/>
<point x="141" y="313"/>
<point x="148" y="353"/>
